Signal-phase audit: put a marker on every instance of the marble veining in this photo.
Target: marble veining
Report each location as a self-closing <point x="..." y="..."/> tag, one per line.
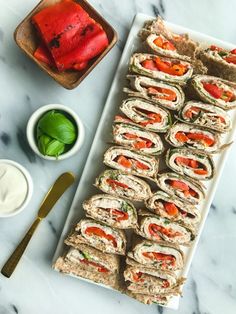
<point x="195" y="295"/>
<point x="52" y="227"/>
<point x="1" y="35"/>
<point x="24" y="146"/>
<point x="35" y="288"/>
<point x="5" y="138"/>
<point x="14" y="308"/>
<point x="213" y="207"/>
<point x="162" y="7"/>
<point x="159" y="9"/>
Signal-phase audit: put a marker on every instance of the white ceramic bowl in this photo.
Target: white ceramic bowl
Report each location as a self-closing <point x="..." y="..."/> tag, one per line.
<point x="32" y="124"/>
<point x="29" y="184"/>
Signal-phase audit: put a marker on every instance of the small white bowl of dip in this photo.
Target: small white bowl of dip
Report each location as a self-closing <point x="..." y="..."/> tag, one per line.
<point x="16" y="188"/>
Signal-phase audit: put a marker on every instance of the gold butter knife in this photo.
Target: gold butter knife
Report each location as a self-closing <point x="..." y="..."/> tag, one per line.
<point x="55" y="192"/>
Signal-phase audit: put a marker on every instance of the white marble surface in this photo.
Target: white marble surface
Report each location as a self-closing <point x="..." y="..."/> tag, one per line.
<point x="35" y="288"/>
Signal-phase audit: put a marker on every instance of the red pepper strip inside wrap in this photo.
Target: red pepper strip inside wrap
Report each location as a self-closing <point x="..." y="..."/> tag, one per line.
<point x="65" y="28"/>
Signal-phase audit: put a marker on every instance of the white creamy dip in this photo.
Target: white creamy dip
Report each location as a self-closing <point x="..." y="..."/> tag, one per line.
<point x="13" y="188"/>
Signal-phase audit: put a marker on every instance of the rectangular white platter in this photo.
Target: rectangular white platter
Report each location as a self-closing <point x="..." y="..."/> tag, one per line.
<point x="94" y="165"/>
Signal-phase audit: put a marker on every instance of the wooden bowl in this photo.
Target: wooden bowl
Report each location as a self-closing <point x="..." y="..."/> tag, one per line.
<point x="27" y="39"/>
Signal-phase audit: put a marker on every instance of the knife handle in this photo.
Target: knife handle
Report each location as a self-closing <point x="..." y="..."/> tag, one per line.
<point x="13" y="260"/>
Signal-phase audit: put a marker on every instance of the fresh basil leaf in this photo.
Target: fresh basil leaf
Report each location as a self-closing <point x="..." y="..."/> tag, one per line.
<point x="222" y="53"/>
<point x="169" y="120"/>
<point x="192" y="236"/>
<point x="39" y="133"/>
<point x="86" y="255"/>
<point x="126" y="207"/>
<point x="55" y="148"/>
<point x="113" y="175"/>
<point x="50" y="147"/>
<point x="43" y="141"/>
<point x="147" y="245"/>
<point x="57" y="126"/>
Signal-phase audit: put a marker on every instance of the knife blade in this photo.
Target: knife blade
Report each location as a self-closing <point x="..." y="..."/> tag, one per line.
<point x="55" y="192"/>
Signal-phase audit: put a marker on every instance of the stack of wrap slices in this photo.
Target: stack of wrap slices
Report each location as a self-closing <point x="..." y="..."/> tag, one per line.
<point x="175" y="113"/>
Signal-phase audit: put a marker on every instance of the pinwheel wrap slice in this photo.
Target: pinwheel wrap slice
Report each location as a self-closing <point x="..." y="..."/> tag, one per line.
<point x="111" y="210"/>
<point x="89" y="263"/>
<point x="146" y="114"/>
<point x="205" y="115"/>
<point x="159" y="44"/>
<point x="214" y="90"/>
<point x="132" y="162"/>
<point x="124" y="185"/>
<point x="167" y="95"/>
<point x="172" y="207"/>
<point x="183" y="44"/>
<point x="140" y="279"/>
<point x="137" y="138"/>
<point x="99" y="236"/>
<point x="186" y="189"/>
<point x="156" y="255"/>
<point x="194" y="137"/>
<point x="217" y="64"/>
<point x="157" y="228"/>
<point x="192" y="163"/>
<point x="161" y="68"/>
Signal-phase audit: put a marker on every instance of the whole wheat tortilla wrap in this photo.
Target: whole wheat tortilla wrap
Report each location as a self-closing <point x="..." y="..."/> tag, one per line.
<point x="191" y="136"/>
<point x="132" y="162"/>
<point x="111" y="210"/>
<point x="159" y="44"/>
<point x="172" y="207"/>
<point x="205" y="115"/>
<point x="220" y="62"/>
<point x="161" y="68"/>
<point x="165" y="94"/>
<point x="214" y="90"/>
<point x="89" y="263"/>
<point x="146" y="114"/>
<point x="137" y="138"/>
<point x="191" y="162"/>
<point x="141" y="279"/>
<point x="124" y="185"/>
<point x="184" y="45"/>
<point x="155" y="255"/>
<point x="159" y="299"/>
<point x="99" y="236"/>
<point x="182" y="187"/>
<point x="157" y="228"/>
